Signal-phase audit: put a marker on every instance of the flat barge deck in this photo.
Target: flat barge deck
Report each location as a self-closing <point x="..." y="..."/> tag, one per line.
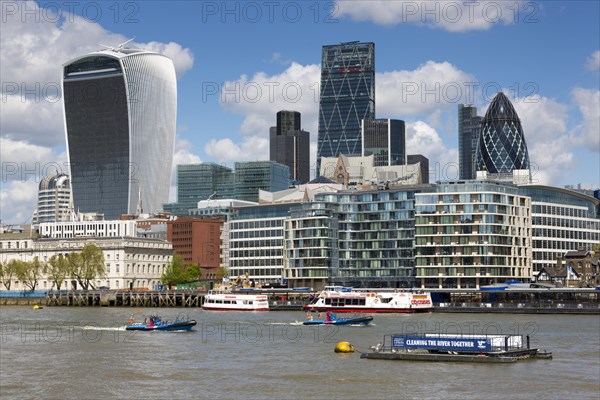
<point x="456" y="348"/>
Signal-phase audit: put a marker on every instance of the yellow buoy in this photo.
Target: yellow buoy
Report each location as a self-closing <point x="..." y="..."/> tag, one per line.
<point x="36" y="307"/>
<point x="344" y="347"/>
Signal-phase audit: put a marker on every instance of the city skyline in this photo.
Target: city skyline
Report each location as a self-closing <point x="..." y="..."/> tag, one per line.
<point x="555" y="97"/>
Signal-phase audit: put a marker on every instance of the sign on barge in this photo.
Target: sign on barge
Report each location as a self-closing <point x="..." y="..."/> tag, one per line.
<point x="456" y="348"/>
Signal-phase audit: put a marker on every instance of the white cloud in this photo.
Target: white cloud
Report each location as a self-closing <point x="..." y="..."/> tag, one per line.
<point x="33" y="48"/>
<point x="429" y="88"/>
<point x="593" y="62"/>
<point x="548" y="139"/>
<point x="296" y="88"/>
<point x="453" y="16"/>
<point x="588" y="132"/>
<point x="182" y="155"/>
<point x="252" y="148"/>
<point x="18" y="201"/>
<point x="423" y="139"/>
<point x="260" y="97"/>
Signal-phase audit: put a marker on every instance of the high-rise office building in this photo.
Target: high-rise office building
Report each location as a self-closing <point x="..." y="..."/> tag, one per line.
<point x="120" y="114"/>
<point x="290" y="145"/>
<point x="347" y="96"/>
<point x="252" y="176"/>
<point x="197" y="182"/>
<point x="501" y="148"/>
<point x="386" y="140"/>
<point x="469" y="127"/>
<point x="54" y="199"/>
<point x="288" y="121"/>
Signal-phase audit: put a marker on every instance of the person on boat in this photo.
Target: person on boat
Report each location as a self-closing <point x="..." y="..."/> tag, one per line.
<point x="309" y="317"/>
<point x="151" y="321"/>
<point x="328" y="316"/>
<point x="131" y="320"/>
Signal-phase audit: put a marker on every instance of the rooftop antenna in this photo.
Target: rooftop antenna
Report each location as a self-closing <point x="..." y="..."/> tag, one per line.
<point x="119" y="47"/>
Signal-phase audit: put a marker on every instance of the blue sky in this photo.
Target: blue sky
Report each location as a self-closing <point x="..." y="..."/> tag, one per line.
<point x="544" y="55"/>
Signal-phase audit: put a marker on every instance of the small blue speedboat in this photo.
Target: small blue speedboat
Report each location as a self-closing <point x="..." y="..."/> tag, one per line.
<point x="155" y="323"/>
<point x="331" y="319"/>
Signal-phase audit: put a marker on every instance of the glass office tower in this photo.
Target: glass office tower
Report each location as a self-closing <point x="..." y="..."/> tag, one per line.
<point x="347" y="96"/>
<point x="385" y="139"/>
<point x="502" y="146"/>
<point x="469" y="127"/>
<point x="290" y="145"/>
<point x="120" y="115"/>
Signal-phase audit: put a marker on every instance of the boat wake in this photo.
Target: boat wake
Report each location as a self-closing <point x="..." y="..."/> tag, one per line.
<point x="102" y="328"/>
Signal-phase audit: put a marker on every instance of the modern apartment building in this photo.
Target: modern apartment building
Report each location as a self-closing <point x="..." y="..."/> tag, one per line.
<point x="473" y="233"/>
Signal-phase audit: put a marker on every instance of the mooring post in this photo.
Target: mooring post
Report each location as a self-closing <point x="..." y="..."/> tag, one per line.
<point x="527" y="341"/>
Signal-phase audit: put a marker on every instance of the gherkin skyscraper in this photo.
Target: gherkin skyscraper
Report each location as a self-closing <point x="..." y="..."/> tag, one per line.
<point x="501" y="147"/>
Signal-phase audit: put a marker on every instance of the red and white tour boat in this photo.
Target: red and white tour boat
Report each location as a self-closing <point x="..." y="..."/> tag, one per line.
<point x="217" y="300"/>
<point x="344" y="299"/>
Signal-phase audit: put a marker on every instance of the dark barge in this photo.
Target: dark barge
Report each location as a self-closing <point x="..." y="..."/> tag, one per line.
<point x="456" y="348"/>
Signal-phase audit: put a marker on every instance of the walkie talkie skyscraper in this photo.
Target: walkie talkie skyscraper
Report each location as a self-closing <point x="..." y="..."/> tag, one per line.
<point x="120" y="117"/>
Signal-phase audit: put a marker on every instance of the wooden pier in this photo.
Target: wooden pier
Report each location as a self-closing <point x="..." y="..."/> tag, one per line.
<point x="125" y="298"/>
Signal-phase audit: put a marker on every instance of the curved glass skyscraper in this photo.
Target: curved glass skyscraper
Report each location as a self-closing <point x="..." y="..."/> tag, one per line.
<point x="501" y="147"/>
<point x="120" y="113"/>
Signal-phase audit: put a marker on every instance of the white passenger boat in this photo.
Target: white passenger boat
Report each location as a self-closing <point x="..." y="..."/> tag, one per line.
<point x="343" y="299"/>
<point x="217" y="300"/>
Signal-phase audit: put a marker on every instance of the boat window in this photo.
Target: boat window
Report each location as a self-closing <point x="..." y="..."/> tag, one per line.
<point x="386" y="299"/>
<point x="328" y="302"/>
<point x="362" y="302"/>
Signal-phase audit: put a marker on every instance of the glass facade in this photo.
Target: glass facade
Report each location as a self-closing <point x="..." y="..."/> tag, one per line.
<point x="252" y="176"/>
<point x="472" y="233"/>
<point x="469" y="127"/>
<point x="362" y="239"/>
<point x="385" y="139"/>
<point x="197" y="182"/>
<point x="347" y="95"/>
<point x="563" y="220"/>
<point x="501" y="148"/>
<point x="120" y="113"/>
<point x="256" y="242"/>
<point x="289" y="145"/>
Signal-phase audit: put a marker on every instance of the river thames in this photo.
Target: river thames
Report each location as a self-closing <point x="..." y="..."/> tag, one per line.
<point x="86" y="353"/>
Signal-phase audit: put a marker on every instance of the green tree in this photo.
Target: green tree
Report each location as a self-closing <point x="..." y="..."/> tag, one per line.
<point x="87" y="265"/>
<point x="30" y="272"/>
<point x="192" y="273"/>
<point x="179" y="272"/>
<point x="8" y="272"/>
<point x="221" y="273"/>
<point x="57" y="270"/>
<point x="596" y="248"/>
